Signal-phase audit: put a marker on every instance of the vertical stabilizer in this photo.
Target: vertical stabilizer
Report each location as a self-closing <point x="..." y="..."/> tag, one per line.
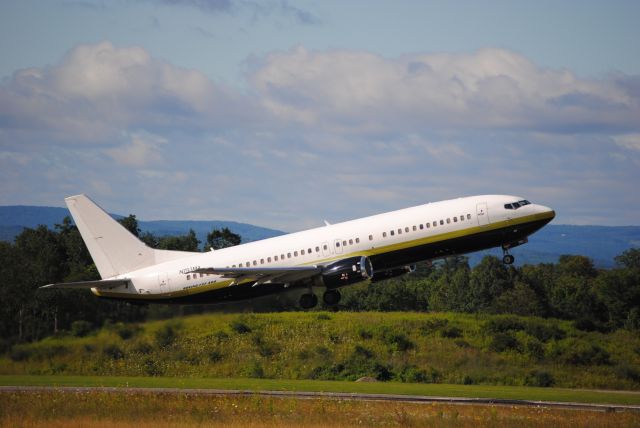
<point x="113" y="248"/>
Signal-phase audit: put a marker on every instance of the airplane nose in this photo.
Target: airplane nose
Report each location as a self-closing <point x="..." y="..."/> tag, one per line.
<point x="548" y="211"/>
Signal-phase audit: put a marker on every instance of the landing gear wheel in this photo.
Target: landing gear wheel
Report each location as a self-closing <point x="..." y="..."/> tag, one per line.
<point x="308" y="300"/>
<point x="508" y="259"/>
<point x="331" y="297"/>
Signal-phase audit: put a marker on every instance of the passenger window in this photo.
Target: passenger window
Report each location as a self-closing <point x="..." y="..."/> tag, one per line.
<point x="302" y="252"/>
<point x="406" y="229"/>
<point x="370" y="237"/>
<point x="428" y="225"/>
<point x="399" y="231"/>
<point x="350" y="241"/>
<point x="268" y="259"/>
<point x="247" y="264"/>
<point x="281" y="256"/>
<point x="317" y="249"/>
<point x="201" y="275"/>
<point x="295" y="254"/>
<point x="344" y="243"/>
<point x="415" y="228"/>
<point x="357" y="240"/>
<point x="309" y="251"/>
<point x="435" y="223"/>
<point x="384" y="234"/>
<point x="288" y="255"/>
<point x="337" y="244"/>
<point x="188" y="276"/>
<point x="462" y="217"/>
<point x="455" y="219"/>
<point x="275" y="258"/>
<point x="441" y="222"/>
<point x="421" y="226"/>
<point x="468" y="216"/>
<point x="324" y="246"/>
<point x="261" y="261"/>
<point x="392" y="233"/>
<point x="255" y="263"/>
<point x="233" y="266"/>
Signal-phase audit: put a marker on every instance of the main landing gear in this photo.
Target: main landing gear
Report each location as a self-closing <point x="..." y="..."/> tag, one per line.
<point x="310" y="300"/>
<point x="507" y="259"/>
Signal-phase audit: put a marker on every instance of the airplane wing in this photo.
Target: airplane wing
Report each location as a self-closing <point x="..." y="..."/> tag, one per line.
<point x="263" y="275"/>
<point x="105" y="283"/>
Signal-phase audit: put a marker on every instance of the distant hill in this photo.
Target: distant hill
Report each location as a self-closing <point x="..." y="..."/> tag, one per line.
<point x="13" y="219"/>
<point x="600" y="243"/>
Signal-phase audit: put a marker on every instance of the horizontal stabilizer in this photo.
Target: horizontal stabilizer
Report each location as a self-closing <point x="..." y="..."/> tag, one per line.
<point x="107" y="283"/>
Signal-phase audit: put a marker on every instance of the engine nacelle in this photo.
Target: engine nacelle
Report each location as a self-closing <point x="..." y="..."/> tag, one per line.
<point x="392" y="273"/>
<point x="347" y="271"/>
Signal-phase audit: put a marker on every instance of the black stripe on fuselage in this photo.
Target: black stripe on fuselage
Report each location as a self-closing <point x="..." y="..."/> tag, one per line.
<point x="460" y="245"/>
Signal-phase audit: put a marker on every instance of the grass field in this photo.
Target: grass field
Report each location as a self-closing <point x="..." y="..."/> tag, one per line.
<point x="467" y="391"/>
<point x="427" y="348"/>
<point x="141" y="410"/>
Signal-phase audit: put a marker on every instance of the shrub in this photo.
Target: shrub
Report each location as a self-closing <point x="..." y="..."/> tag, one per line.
<point x="534" y="349"/>
<point x="240" y="327"/>
<point x="582" y="353"/>
<point x="126" y="331"/>
<point x="461" y="343"/>
<point x="626" y="371"/>
<point x="361" y="351"/>
<point x="254" y="370"/>
<point x="451" y="332"/>
<point x="215" y="356"/>
<point x="396" y="341"/>
<point x="432" y="325"/>
<point x="220" y="336"/>
<point x="151" y="367"/>
<point x="502" y="342"/>
<point x="413" y="374"/>
<point x="166" y="335"/>
<point x="504" y="325"/>
<point x="364" y="333"/>
<point x="544" y="332"/>
<point x="113" y="351"/>
<point x="80" y="328"/>
<point x="323" y="317"/>
<point x="323" y="352"/>
<point x="143" y="348"/>
<point x="20" y="353"/>
<point x="539" y="378"/>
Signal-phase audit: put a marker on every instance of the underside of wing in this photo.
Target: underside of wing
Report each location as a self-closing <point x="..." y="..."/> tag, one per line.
<point x="264" y="275"/>
<point x="105" y="283"/>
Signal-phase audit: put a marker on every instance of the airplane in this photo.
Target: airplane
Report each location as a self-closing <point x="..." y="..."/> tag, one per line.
<point x="368" y="249"/>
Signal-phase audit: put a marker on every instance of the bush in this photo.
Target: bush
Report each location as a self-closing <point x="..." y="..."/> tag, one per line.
<point x="19" y="353"/>
<point x="113" y="351"/>
<point x="451" y="332"/>
<point x="240" y="327"/>
<point x="534" y="349"/>
<point x="544" y="332"/>
<point x="413" y="374"/>
<point x="539" y="378"/>
<point x="461" y="343"/>
<point x="215" y="356"/>
<point x="254" y="370"/>
<point x="504" y="325"/>
<point x="143" y="348"/>
<point x="323" y="317"/>
<point x="80" y="328"/>
<point x="396" y="341"/>
<point x="365" y="333"/>
<point x="432" y="325"/>
<point x="166" y="335"/>
<point x="581" y="353"/>
<point x="626" y="371"/>
<point x="151" y="367"/>
<point x="126" y="331"/>
<point x="502" y="342"/>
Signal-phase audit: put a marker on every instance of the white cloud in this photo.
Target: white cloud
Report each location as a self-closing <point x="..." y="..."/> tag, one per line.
<point x="492" y="88"/>
<point x="143" y="149"/>
<point x="628" y="141"/>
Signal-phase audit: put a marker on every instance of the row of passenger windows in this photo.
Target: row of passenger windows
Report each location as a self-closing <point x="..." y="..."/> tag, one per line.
<point x="428" y="225"/>
<point x="347" y="242"/>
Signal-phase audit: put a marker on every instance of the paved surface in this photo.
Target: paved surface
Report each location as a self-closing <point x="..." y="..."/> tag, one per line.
<point x="333" y="395"/>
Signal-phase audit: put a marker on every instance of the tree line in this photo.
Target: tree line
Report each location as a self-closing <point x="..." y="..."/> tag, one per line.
<point x="571" y="289"/>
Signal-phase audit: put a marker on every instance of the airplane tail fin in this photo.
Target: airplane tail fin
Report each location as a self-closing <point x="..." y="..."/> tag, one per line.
<point x="114" y="249"/>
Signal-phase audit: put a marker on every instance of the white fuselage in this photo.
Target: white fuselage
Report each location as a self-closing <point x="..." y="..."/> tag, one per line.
<point x="374" y="236"/>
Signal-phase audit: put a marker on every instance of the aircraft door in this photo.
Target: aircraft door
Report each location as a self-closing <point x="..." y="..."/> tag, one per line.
<point x="338" y="246"/>
<point x="482" y="213"/>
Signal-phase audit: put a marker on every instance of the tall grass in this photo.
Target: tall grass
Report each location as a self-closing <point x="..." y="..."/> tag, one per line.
<point x="405" y="347"/>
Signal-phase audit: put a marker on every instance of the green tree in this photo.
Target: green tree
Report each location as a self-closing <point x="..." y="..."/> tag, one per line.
<point x="488" y="280"/>
<point x="187" y="242"/>
<point x="217" y="239"/>
<point x="131" y="224"/>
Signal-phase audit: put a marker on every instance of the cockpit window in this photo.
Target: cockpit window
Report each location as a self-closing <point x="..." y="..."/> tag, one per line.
<point x="516" y="205"/>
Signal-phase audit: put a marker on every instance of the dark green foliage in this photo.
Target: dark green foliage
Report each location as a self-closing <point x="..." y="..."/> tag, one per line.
<point x="152" y="367"/>
<point x="397" y="342"/>
<point x="413" y="374"/>
<point x="502" y="342"/>
<point x="224" y="238"/>
<point x="255" y="370"/>
<point x="80" y="328"/>
<point x="504" y="325"/>
<point x="215" y="356"/>
<point x="365" y="333"/>
<point x="629" y="372"/>
<point x="240" y="327"/>
<point x="539" y="378"/>
<point x="166" y="335"/>
<point x="265" y="349"/>
<point x="323" y="317"/>
<point x="113" y="351"/>
<point x="451" y="332"/>
<point x="143" y="348"/>
<point x="583" y="353"/>
<point x="19" y="353"/>
<point x="131" y="224"/>
<point x="220" y="336"/>
<point x="125" y="331"/>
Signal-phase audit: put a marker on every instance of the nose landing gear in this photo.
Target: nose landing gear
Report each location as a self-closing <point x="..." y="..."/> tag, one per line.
<point x="507" y="258"/>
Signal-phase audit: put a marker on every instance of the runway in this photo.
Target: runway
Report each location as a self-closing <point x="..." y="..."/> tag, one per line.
<point x="332" y="396"/>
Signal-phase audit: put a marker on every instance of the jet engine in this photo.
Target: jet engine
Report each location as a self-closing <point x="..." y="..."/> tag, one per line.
<point x="347" y="271"/>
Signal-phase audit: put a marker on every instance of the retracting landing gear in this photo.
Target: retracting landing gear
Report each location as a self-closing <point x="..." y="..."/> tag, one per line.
<point x="331" y="297"/>
<point x="507" y="259"/>
<point x="308" y="301"/>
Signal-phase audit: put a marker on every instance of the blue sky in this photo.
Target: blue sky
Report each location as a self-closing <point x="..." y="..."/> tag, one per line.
<point x="284" y="113"/>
